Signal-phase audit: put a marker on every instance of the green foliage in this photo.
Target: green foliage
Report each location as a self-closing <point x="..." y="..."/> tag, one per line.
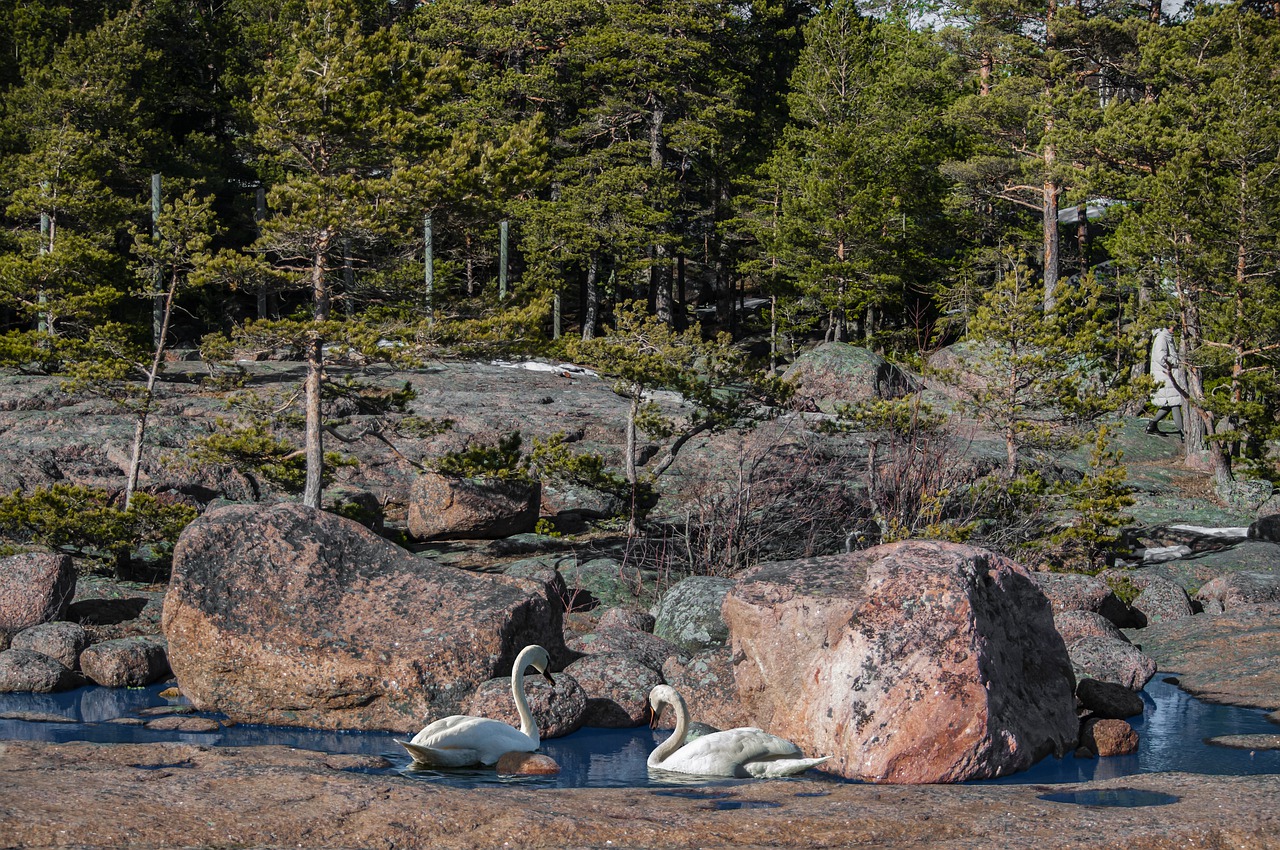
<point x="253" y="450"/>
<point x="86" y="521"/>
<point x="502" y="460"/>
<point x="552" y="459"/>
<point x="422" y="428"/>
<point x="1098" y="501"/>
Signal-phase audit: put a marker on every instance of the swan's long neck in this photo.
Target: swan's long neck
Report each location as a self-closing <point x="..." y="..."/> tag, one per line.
<point x="527" y="724"/>
<point x="676" y="741"/>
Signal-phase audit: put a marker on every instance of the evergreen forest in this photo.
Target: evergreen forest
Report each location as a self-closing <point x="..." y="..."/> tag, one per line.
<point x="593" y="180"/>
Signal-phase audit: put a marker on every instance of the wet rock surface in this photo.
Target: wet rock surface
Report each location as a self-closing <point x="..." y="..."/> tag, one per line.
<point x="170" y="796"/>
<point x="1227" y="658"/>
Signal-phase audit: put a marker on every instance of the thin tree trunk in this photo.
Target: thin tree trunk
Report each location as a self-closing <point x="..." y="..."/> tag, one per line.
<point x="1050" y="222"/>
<point x="314" y="437"/>
<point x="659" y="273"/>
<point x="633" y="479"/>
<point x="591" y="303"/>
<point x="140" y="427"/>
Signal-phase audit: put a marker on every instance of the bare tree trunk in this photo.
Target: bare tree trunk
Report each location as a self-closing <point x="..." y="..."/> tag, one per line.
<point x="1050" y="222"/>
<point x="140" y="427"/>
<point x="659" y="271"/>
<point x="314" y="436"/>
<point x="591" y="303"/>
<point x="633" y="525"/>
<point x="985" y="65"/>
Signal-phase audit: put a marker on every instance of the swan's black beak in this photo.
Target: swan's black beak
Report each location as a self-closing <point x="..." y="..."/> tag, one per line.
<point x="654" y="717"/>
<point x="546" y="675"/>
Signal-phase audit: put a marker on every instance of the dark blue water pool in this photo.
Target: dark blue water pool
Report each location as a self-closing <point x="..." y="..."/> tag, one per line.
<point x="1172" y="729"/>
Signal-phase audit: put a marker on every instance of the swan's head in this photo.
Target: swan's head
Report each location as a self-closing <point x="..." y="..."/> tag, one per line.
<point x="536" y="657"/>
<point x="659" y="698"/>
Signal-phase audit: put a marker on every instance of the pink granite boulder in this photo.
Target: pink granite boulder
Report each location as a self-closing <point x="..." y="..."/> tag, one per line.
<point x="441" y="506"/>
<point x="912" y="662"/>
<point x="292" y="616"/>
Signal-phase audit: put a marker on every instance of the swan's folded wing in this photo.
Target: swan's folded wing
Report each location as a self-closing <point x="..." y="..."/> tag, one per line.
<point x="729" y="752"/>
<point x="488" y="739"/>
<point x="438" y="757"/>
<point x="767" y="768"/>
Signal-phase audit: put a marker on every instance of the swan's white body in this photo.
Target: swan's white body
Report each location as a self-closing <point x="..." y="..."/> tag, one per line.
<point x="745" y="751"/>
<point x="462" y="740"/>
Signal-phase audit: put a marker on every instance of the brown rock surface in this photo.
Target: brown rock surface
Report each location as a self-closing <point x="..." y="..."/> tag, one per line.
<point x="526" y="764"/>
<point x="126" y="662"/>
<point x="558" y="709"/>
<point x="161" y="796"/>
<point x="35" y="587"/>
<point x="910" y="662"/>
<point x="1227" y="658"/>
<point x="442" y="507"/>
<point x="291" y="616"/>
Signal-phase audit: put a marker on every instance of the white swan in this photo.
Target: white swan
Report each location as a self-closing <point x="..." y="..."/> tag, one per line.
<point x="462" y="740"/>
<point x="745" y="751"/>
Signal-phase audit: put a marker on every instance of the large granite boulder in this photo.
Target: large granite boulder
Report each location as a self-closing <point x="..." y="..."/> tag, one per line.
<point x="442" y="507"/>
<point x="293" y="616"/>
<point x="910" y="662"/>
<point x="707" y="683"/>
<point x="689" y="615"/>
<point x="836" y="373"/>
<point x="35" y="587"/>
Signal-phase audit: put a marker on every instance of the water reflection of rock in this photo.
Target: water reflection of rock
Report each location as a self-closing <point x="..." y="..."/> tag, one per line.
<point x="96" y="705"/>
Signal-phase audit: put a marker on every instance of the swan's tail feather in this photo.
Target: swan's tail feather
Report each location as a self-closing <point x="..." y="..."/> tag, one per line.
<point x="440" y="756"/>
<point x="781" y="767"/>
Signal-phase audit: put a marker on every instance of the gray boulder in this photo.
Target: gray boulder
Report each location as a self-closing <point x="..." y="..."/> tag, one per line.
<point x="1077" y="592"/>
<point x="706" y="681"/>
<point x="617" y="688"/>
<point x="1073" y="625"/>
<point x="61" y="641"/>
<point x="1108" y="700"/>
<point x="837" y="373"/>
<point x="650" y="650"/>
<point x="1236" y="589"/>
<point x="558" y="709"/>
<point x="23" y="670"/>
<point x="1109" y="660"/>
<point x="689" y="615"/>
<point x="133" y="662"/>
<point x="35" y="587"/>
<point x="1161" y="599"/>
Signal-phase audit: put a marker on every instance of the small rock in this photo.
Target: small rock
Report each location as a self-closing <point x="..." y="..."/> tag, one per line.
<point x="626" y="618"/>
<point x="183" y="724"/>
<point x="527" y="764"/>
<point x="1111" y="661"/>
<point x="1108" y="737"/>
<point x="1108" y="700"/>
<point x="170" y="693"/>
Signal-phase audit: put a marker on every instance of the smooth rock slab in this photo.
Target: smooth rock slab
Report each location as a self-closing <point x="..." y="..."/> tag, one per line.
<point x="1228" y="658"/>
<point x="909" y="662"/>
<point x="1246" y="742"/>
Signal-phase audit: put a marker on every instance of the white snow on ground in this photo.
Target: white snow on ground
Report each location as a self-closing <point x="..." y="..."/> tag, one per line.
<point x="566" y="370"/>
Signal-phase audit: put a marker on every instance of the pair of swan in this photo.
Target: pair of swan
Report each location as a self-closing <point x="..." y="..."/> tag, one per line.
<point x="745" y="751"/>
<point x="462" y="740"/>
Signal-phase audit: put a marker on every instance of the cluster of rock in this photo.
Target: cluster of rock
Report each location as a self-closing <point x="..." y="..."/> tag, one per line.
<point x="50" y="644"/>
